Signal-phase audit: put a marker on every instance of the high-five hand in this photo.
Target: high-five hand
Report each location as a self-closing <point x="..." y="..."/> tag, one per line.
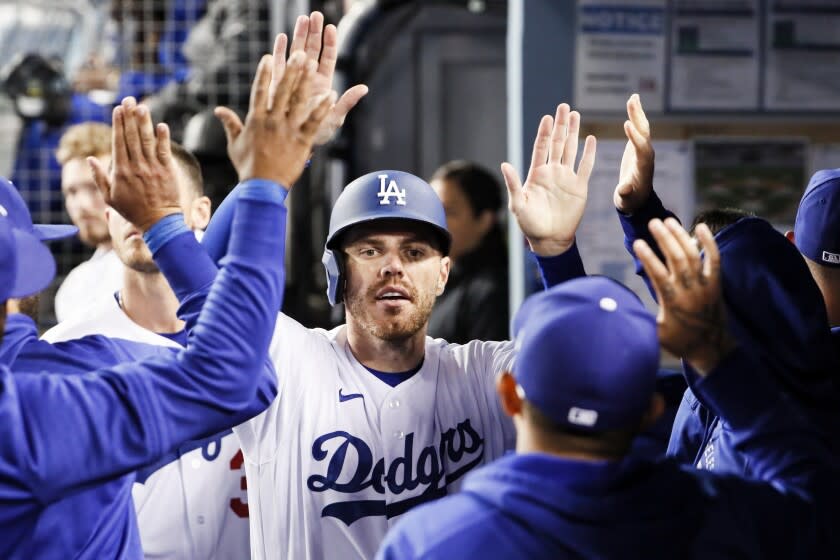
<point x="691" y="319"/>
<point x="550" y="205"/>
<point x="276" y="139"/>
<point x="635" y="180"/>
<point x="307" y="39"/>
<point x="141" y="185"/>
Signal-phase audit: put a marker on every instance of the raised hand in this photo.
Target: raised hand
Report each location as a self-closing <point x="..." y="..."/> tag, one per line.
<point x="691" y="319"/>
<point x="550" y="205"/>
<point x="635" y="180"/>
<point x="276" y="138"/>
<point x="141" y="185"/>
<point x="307" y="38"/>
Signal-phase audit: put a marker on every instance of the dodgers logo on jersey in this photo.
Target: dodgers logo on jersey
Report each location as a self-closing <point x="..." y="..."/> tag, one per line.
<point x="461" y="448"/>
<point x="385" y="193"/>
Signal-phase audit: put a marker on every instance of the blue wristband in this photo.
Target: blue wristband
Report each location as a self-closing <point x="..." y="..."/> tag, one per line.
<point x="264" y="191"/>
<point x="164" y="231"/>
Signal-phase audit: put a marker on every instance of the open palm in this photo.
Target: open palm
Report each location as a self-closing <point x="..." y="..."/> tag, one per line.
<point x="635" y="181"/>
<point x="319" y="44"/>
<point x="550" y="205"/>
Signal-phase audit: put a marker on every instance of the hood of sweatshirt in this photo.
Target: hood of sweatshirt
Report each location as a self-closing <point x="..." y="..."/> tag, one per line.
<point x="776" y="310"/>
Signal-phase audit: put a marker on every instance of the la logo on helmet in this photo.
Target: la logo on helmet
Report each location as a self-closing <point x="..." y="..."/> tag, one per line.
<point x="385" y="193"/>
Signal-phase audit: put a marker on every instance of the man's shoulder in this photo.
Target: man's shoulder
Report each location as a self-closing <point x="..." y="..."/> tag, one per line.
<point x="436" y="529"/>
<point x="107" y="320"/>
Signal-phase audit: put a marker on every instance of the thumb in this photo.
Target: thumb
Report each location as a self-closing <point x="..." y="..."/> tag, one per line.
<point x="100" y="177"/>
<point x="230" y="121"/>
<point x="513" y="184"/>
<point x="624" y="189"/>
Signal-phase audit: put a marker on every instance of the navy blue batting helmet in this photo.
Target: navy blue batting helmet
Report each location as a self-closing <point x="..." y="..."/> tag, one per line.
<point x="380" y="195"/>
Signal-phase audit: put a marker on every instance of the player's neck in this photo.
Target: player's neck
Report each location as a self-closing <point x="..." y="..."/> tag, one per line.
<point x="105" y="246"/>
<point x="385" y="355"/>
<point x="148" y="300"/>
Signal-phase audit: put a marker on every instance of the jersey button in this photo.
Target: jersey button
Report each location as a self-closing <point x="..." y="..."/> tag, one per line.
<point x="399" y="434"/>
<point x="394" y="404"/>
<point x="200" y="520"/>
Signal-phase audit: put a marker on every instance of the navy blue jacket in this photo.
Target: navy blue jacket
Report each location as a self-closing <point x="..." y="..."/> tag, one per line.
<point x="776" y="309"/>
<point x="540" y="506"/>
<point x="73" y="439"/>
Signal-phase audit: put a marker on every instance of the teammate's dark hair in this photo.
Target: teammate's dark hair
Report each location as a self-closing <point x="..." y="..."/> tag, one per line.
<point x="481" y="187"/>
<point x="189" y="164"/>
<point x="610" y="444"/>
<point x="719" y="218"/>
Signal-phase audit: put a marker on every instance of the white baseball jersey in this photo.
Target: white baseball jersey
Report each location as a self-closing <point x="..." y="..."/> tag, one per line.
<point x="340" y="455"/>
<point x="196" y="505"/>
<point x="100" y="275"/>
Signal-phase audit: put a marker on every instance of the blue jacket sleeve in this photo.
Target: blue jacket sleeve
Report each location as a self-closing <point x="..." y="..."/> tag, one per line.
<point x="67" y="431"/>
<point x="217" y="235"/>
<point x="562" y="267"/>
<point x="688" y="430"/>
<point x="172" y="245"/>
<point x="635" y="226"/>
<point x="772" y="431"/>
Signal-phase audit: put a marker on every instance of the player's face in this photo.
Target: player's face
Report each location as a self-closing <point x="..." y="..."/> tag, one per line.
<point x="466" y="228"/>
<point x="128" y="241"/>
<point x="394" y="275"/>
<point x="83" y="200"/>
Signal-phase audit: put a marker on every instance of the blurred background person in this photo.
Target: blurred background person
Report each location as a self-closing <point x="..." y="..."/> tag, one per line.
<point x="102" y="273"/>
<point x="475" y="302"/>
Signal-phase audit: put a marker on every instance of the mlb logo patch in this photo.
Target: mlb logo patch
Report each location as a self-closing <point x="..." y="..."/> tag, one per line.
<point x="583" y="416"/>
<point x="392" y="190"/>
<point x="832" y="258"/>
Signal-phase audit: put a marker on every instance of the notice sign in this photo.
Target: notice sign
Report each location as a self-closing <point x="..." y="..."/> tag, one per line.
<point x="620" y="51"/>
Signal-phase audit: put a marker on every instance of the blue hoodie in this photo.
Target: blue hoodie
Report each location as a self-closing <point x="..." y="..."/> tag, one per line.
<point x="540" y="506"/>
<point x="80" y="506"/>
<point x="775" y="308"/>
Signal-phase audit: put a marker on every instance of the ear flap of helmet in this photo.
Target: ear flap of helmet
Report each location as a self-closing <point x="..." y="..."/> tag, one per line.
<point x="334" y="266"/>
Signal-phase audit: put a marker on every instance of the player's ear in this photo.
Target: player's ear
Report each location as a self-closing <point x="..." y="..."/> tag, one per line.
<point x="509" y="397"/>
<point x="445" y="265"/>
<point x="200" y="213"/>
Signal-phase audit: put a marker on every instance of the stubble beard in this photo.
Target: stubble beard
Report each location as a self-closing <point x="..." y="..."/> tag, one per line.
<point x="399" y="324"/>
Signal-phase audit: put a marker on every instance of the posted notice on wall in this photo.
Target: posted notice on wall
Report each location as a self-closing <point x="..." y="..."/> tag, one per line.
<point x="714" y="55"/>
<point x="802" y="65"/>
<point x="620" y="51"/>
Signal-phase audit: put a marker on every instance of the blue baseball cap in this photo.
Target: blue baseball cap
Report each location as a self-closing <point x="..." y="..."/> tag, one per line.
<point x="18" y="213"/>
<point x="817" y="227"/>
<point x="27" y="265"/>
<point x="587" y="354"/>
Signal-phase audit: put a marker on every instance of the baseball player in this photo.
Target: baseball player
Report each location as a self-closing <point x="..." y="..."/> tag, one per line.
<point x="86" y="208"/>
<point x="193" y="506"/>
<point x="64" y="436"/>
<point x="108" y="528"/>
<point x="815" y="234"/>
<point x="797" y="352"/>
<point x="573" y="489"/>
<point x="374" y="417"/>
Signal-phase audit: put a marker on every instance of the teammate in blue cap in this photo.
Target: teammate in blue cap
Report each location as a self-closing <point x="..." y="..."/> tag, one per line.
<point x="83" y="509"/>
<point x="816" y="233"/>
<point x="582" y="387"/>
